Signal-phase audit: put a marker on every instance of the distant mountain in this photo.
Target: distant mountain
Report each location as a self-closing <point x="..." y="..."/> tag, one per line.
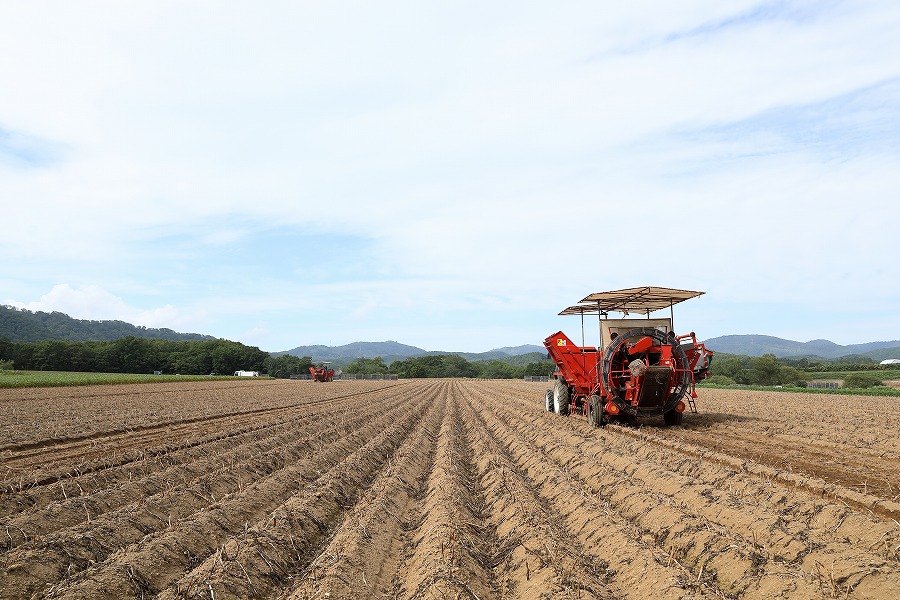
<point x="391" y="351"/>
<point x="20" y="325"/>
<point x="757" y="345"/>
<point x="519" y="350"/>
<point x="350" y="352"/>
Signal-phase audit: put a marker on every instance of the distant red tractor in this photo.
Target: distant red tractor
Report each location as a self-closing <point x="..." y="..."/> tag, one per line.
<point x="641" y="368"/>
<point x="322" y="372"/>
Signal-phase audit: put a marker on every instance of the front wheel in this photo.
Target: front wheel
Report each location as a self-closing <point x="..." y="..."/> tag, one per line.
<point x="595" y="411"/>
<point x="673" y="417"/>
<point x="561" y="398"/>
<point x="548" y="401"/>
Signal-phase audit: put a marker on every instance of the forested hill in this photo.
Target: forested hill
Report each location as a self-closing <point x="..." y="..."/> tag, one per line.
<point x="758" y="345"/>
<point x="20" y="325"/>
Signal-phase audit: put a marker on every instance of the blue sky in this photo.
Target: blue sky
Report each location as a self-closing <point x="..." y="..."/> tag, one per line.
<point x="451" y="175"/>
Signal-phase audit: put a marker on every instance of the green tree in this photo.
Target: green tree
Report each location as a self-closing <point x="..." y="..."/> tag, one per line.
<point x="134" y="355"/>
<point x="861" y="380"/>
<point x="187" y="362"/>
<point x="7" y="349"/>
<point x="765" y="370"/>
<point x="438" y="365"/>
<point x="363" y="365"/>
<point x="452" y="365"/>
<point x="131" y="355"/>
<point x="791" y="376"/>
<point x="287" y="364"/>
<point x="731" y="367"/>
<point x="54" y="355"/>
<point x="226" y="357"/>
<point x="539" y="368"/>
<point x="497" y="369"/>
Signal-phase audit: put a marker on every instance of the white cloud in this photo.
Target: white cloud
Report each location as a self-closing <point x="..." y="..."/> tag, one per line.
<point x="477" y="157"/>
<point x="95" y="303"/>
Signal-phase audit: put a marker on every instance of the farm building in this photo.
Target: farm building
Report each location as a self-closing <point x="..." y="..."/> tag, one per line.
<point x="890" y="361"/>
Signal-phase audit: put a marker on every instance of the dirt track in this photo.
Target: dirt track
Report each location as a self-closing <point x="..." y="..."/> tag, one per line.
<point x="441" y="489"/>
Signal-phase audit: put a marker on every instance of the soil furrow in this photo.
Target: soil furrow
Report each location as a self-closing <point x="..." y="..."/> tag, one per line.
<point x="744" y="488"/>
<point x="874" y="474"/>
<point x="812" y="487"/>
<point x="254" y="488"/>
<point x="220" y="460"/>
<point x="708" y="533"/>
<point x="155" y="464"/>
<point x="148" y="460"/>
<point x="441" y="488"/>
<point x="446" y="555"/>
<point x="56" y="419"/>
<point x="270" y="552"/>
<point x="107" y="444"/>
<point x="360" y="558"/>
<point x="536" y="556"/>
<point x="638" y="567"/>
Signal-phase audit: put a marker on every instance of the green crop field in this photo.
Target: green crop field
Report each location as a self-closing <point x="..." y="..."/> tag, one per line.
<point x="19" y="379"/>
<point x="873" y="391"/>
<point x="883" y="374"/>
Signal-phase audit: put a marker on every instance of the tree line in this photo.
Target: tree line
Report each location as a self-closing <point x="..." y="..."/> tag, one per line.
<point x="222" y="357"/>
<point x="134" y="355"/>
<point x="756" y="370"/>
<point x="449" y="365"/>
<point x="769" y="370"/>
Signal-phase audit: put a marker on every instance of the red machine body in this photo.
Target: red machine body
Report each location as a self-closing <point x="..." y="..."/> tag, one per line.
<point x="322" y="373"/>
<point x="575" y="364"/>
<point x="641" y="368"/>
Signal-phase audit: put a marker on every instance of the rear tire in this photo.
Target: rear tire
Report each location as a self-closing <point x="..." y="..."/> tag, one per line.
<point x="673" y="417"/>
<point x="561" y="398"/>
<point x="548" y="401"/>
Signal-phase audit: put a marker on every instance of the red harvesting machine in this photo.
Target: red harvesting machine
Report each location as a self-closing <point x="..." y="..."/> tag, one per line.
<point x="322" y="372"/>
<point x="641" y="368"/>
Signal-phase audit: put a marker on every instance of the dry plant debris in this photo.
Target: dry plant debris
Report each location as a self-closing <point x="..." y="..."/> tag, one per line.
<point x="440" y="489"/>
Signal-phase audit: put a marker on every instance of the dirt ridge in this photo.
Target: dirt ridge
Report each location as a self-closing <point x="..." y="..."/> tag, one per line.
<point x="443" y="488"/>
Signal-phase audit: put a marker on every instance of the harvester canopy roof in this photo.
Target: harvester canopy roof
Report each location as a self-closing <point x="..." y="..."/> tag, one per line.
<point x="642" y="300"/>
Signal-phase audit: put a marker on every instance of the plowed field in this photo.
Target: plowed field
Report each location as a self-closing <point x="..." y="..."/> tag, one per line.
<point x="441" y="489"/>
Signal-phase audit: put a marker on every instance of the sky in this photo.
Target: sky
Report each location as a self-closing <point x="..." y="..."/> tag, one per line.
<point x="451" y="175"/>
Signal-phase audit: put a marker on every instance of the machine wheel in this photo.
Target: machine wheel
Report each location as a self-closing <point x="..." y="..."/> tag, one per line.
<point x="673" y="417"/>
<point x="561" y="398"/>
<point x="548" y="401"/>
<point x="595" y="411"/>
